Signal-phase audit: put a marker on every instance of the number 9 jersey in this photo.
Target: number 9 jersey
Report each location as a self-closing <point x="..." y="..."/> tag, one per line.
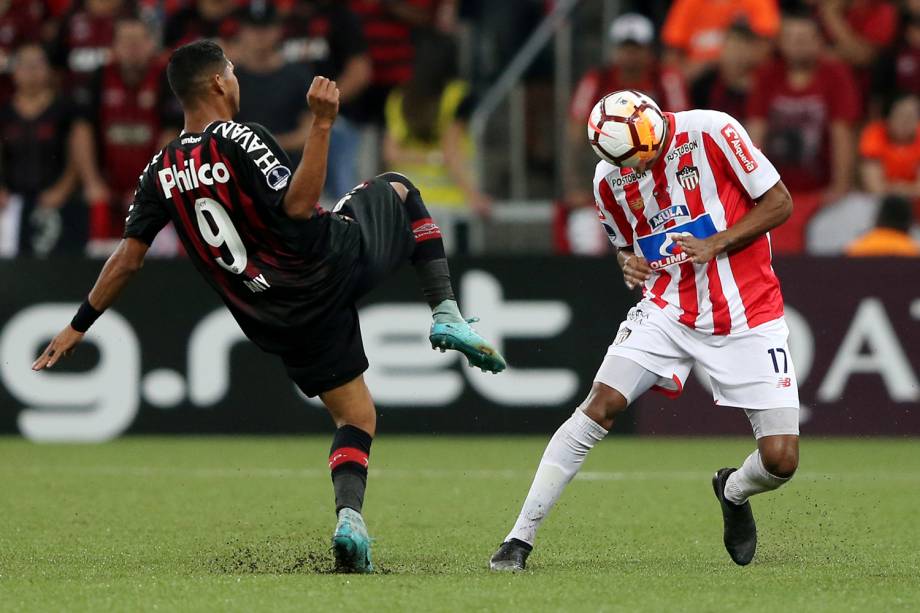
<point x="223" y="191"/>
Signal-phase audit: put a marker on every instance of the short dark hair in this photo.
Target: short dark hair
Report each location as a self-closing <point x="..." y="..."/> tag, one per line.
<point x="894" y="99"/>
<point x="800" y="12"/>
<point x="190" y="65"/>
<point x="895" y="212"/>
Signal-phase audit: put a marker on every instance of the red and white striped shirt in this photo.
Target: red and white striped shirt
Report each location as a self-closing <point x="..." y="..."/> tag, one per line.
<point x="706" y="179"/>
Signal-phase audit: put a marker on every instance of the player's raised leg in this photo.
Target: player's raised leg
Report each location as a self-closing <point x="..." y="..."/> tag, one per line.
<point x="355" y="418"/>
<point x="567" y="450"/>
<point x="771" y="465"/>
<point x="449" y="329"/>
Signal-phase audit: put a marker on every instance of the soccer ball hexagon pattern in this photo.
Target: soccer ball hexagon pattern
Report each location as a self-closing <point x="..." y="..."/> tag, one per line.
<point x="626" y="128"/>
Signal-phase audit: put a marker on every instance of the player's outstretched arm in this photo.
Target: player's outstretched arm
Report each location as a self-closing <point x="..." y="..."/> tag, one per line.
<point x="118" y="270"/>
<point x="307" y="182"/>
<point x="773" y="208"/>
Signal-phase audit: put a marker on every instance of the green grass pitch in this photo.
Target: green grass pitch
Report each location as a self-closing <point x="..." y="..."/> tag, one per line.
<point x="243" y="524"/>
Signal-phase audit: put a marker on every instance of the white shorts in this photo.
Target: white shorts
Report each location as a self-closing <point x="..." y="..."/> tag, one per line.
<point x="751" y="369"/>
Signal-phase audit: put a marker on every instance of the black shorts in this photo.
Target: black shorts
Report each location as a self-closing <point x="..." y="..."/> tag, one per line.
<point x="335" y="354"/>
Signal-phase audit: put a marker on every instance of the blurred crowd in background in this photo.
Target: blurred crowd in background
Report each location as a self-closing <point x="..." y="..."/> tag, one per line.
<point x="827" y="88"/>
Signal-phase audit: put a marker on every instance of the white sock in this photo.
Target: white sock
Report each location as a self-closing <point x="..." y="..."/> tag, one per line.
<point x="561" y="460"/>
<point x="447" y="311"/>
<point x="752" y="478"/>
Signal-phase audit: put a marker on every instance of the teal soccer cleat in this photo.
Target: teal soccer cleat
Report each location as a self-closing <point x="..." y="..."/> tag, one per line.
<point x="351" y="544"/>
<point x="460" y="336"/>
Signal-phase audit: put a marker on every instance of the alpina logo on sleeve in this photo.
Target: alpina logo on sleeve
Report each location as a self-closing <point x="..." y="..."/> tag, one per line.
<point x="739" y="148"/>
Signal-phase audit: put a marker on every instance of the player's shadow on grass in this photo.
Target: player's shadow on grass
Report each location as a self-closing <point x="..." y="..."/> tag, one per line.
<point x="276" y="556"/>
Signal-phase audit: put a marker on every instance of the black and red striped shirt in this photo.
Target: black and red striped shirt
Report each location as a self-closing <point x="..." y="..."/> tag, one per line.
<point x="389" y="40"/>
<point x="223" y="190"/>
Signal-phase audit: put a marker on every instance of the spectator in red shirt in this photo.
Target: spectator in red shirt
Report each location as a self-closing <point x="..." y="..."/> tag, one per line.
<point x="130" y="115"/>
<point x="388" y="28"/>
<point x="84" y="42"/>
<point x="725" y="87"/>
<point x="632" y="65"/>
<point x="801" y="113"/>
<point x="858" y="30"/>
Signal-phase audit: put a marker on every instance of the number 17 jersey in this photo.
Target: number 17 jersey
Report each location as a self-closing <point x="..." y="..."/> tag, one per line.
<point x="708" y="176"/>
<point x="223" y="190"/>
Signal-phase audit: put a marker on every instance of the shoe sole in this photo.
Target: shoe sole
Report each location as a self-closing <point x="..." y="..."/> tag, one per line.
<point x="477" y="359"/>
<point x="505" y="567"/>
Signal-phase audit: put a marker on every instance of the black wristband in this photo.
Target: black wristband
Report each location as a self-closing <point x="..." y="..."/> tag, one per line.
<point x="85" y="317"/>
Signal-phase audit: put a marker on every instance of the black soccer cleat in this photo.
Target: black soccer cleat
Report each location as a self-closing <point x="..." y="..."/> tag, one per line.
<point x="740" y="532"/>
<point x="511" y="556"/>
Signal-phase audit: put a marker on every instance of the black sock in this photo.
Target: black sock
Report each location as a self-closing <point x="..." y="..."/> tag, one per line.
<point x="434" y="277"/>
<point x="429" y="257"/>
<point x="348" y="458"/>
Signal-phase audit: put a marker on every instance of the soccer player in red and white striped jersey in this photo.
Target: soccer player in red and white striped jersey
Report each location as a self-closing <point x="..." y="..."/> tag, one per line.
<point x="690" y="224"/>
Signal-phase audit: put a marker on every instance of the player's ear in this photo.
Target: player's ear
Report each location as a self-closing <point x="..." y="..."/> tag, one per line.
<point x="219" y="84"/>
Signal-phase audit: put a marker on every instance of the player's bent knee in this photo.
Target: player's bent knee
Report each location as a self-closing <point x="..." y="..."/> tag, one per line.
<point x="780" y="455"/>
<point x="603" y="404"/>
<point x="394" y="179"/>
<point x="401" y="190"/>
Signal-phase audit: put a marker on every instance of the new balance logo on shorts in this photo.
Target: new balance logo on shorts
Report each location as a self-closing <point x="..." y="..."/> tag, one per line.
<point x="784" y="382"/>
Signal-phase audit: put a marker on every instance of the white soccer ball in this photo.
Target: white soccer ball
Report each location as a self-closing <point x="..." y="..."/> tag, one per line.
<point x="626" y="128"/>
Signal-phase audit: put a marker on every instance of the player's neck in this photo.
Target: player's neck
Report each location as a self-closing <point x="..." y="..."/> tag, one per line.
<point x="197" y="119"/>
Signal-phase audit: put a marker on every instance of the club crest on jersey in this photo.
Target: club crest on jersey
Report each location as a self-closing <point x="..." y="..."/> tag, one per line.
<point x="689" y="177"/>
<point x="665" y="215"/>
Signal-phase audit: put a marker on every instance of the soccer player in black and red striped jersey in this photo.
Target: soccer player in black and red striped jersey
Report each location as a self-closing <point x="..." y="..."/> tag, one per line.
<point x="289" y="271"/>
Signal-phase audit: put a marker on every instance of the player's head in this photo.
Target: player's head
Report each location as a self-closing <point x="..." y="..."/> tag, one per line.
<point x="200" y="74"/>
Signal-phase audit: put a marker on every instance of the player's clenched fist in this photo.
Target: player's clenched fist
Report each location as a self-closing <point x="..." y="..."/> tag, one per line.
<point x="323" y="99"/>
